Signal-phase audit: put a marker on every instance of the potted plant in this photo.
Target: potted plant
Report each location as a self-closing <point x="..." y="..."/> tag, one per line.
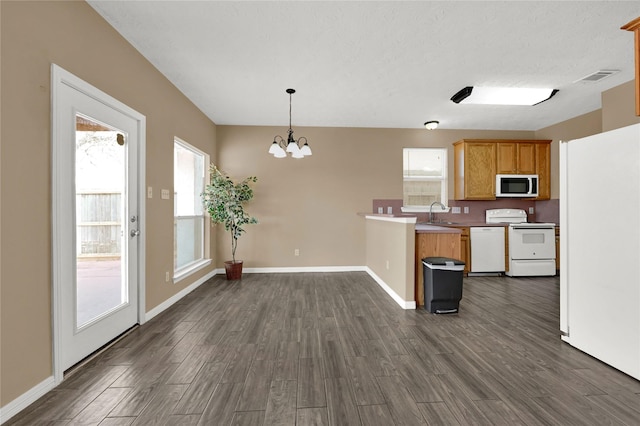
<point x="224" y="200"/>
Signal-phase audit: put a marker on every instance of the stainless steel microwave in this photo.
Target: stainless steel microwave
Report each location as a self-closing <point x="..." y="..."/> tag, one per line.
<point x="517" y="186"/>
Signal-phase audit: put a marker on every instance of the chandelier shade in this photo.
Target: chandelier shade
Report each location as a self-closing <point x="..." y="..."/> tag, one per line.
<point x="280" y="147"/>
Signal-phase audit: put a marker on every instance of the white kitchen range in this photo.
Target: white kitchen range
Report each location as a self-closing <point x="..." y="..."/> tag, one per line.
<point x="532" y="245"/>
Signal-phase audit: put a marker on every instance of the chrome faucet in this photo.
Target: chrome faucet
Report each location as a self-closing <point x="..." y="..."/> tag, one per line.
<point x="431" y="210"/>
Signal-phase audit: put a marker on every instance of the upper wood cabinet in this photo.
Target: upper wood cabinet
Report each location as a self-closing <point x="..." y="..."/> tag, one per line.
<point x="477" y="161"/>
<point x="635" y="27"/>
<point x="474" y="170"/>
<point x="516" y="157"/>
<point x="543" y="169"/>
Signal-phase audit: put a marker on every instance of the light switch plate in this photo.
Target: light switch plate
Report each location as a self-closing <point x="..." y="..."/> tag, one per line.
<point x="531" y="210"/>
<point x="455" y="210"/>
<point x="150" y="192"/>
<point x="466" y="210"/>
<point x="165" y="194"/>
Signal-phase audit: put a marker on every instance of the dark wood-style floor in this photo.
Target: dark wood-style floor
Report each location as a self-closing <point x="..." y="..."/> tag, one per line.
<point x="334" y="349"/>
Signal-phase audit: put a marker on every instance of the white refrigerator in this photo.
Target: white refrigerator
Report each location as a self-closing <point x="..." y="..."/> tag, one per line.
<point x="600" y="246"/>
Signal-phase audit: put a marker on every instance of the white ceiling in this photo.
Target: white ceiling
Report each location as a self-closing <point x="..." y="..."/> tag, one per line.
<point x="388" y="64"/>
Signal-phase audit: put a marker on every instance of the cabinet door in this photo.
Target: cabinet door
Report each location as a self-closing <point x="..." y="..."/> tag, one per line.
<point x="516" y="158"/>
<point x="465" y="250"/>
<point x="480" y="171"/>
<point x="543" y="170"/>
<point x="526" y="158"/>
<point x="506" y="158"/>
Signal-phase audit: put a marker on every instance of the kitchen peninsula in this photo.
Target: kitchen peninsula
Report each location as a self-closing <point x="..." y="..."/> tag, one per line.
<point x="395" y="246"/>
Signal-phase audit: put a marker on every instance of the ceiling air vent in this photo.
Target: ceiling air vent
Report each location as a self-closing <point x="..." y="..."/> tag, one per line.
<point x="597" y="76"/>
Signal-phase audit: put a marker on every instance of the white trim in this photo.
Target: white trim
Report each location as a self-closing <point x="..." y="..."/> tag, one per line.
<point x="404" y="304"/>
<point x="59" y="78"/>
<point x="294" y="269"/>
<point x="142" y="215"/>
<point x="194" y="267"/>
<point x="181" y="273"/>
<point x="179" y="295"/>
<point x="26" y="399"/>
<point x="443" y="179"/>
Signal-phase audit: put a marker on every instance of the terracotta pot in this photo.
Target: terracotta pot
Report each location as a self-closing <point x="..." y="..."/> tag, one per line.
<point x="233" y="269"/>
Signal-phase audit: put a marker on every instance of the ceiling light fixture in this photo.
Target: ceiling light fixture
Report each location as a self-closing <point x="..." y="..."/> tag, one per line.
<point x="502" y="95"/>
<point x="280" y="147"/>
<point x="431" y="125"/>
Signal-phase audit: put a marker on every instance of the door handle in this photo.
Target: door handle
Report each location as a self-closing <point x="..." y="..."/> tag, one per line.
<point x="134" y="233"/>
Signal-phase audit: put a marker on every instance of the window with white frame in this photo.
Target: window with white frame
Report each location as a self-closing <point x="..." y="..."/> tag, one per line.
<point x="424" y="176"/>
<point x="190" y="247"/>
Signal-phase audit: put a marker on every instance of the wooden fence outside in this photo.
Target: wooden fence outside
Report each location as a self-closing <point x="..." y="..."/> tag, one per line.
<point x="99" y="223"/>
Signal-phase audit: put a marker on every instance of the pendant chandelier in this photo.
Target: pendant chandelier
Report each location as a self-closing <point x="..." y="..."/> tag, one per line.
<point x="280" y="147"/>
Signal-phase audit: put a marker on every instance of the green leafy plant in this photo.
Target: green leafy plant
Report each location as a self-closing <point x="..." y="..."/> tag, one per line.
<point x="224" y="200"/>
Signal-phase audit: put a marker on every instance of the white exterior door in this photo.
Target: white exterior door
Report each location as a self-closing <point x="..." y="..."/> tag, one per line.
<point x="97" y="234"/>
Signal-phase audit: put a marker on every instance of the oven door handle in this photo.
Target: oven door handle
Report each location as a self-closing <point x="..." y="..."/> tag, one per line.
<point x="531" y="227"/>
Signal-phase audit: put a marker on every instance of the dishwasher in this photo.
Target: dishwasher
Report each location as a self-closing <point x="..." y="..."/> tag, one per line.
<point x="487" y="249"/>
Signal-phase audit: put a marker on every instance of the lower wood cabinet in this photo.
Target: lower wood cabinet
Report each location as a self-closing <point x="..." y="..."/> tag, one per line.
<point x="434" y="245"/>
<point x="465" y="249"/>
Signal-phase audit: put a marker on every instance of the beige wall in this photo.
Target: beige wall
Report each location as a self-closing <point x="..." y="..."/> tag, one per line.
<point x="619" y="107"/>
<point x="618" y="110"/>
<point x="311" y="203"/>
<point x="390" y="254"/>
<point x="578" y="127"/>
<point x="72" y="35"/>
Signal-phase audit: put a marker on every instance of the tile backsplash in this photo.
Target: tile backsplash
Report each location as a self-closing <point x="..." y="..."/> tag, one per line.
<point x="548" y="211"/>
<point x="544" y="211"/>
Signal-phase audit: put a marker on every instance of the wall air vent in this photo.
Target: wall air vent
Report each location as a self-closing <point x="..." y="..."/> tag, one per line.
<point x="597" y="76"/>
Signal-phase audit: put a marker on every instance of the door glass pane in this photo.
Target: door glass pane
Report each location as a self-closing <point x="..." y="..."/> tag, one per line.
<point x="101" y="285"/>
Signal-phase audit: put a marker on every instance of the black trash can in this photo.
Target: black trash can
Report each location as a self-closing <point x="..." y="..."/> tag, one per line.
<point x="442" y="284"/>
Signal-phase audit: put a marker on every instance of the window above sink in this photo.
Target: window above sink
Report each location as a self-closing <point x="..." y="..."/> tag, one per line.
<point x="424" y="179"/>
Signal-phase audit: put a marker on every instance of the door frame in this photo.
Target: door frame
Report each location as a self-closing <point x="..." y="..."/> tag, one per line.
<point x="60" y="172"/>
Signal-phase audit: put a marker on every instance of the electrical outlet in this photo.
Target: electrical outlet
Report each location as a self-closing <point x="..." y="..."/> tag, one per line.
<point x="150" y="192"/>
<point x="166" y="276"/>
<point x="531" y="210"/>
<point x="387" y="264"/>
<point x="165" y="194"/>
<point x="466" y="210"/>
<point x="296" y="252"/>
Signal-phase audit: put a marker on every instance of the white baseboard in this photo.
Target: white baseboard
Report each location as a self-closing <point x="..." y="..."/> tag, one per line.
<point x="294" y="269"/>
<point x="404" y="304"/>
<point x="26" y="399"/>
<point x="170" y="301"/>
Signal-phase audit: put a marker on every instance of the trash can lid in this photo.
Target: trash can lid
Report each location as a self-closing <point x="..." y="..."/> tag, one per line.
<point x="442" y="261"/>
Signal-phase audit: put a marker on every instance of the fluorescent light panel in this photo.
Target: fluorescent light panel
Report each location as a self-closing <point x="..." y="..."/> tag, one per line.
<point x="502" y="95"/>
